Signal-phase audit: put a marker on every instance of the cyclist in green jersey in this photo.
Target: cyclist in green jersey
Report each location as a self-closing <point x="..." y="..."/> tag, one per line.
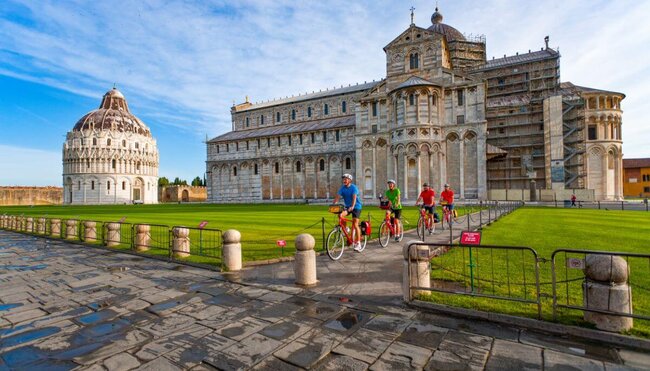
<point x="394" y="201"/>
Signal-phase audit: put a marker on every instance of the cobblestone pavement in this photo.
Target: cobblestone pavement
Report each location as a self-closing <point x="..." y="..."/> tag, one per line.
<point x="65" y="306"/>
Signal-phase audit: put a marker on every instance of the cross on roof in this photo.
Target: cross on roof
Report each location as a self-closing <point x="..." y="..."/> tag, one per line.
<point x="412" y="9"/>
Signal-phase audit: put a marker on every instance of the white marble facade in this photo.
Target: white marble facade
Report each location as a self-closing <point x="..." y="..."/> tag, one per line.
<point x="110" y="157"/>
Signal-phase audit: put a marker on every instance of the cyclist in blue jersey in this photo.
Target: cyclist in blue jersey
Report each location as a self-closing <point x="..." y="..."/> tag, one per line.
<point x="350" y="194"/>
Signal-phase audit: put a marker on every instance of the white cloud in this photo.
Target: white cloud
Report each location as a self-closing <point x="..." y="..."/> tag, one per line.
<point x="19" y="165"/>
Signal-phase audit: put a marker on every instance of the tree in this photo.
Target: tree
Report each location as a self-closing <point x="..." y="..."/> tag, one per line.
<point x="163" y="182"/>
<point x="178" y="181"/>
<point x="197" y="182"/>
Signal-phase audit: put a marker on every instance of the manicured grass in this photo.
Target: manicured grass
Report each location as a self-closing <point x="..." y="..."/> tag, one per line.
<point x="512" y="273"/>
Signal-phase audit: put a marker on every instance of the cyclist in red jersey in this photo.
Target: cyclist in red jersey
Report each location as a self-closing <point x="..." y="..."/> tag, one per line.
<point x="447" y="196"/>
<point x="428" y="198"/>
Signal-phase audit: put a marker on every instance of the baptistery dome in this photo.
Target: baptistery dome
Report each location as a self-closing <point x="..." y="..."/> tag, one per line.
<point x="110" y="156"/>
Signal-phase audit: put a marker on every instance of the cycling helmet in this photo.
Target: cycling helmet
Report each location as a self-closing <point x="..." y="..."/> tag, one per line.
<point x="349" y="176"/>
<point x="391" y="181"/>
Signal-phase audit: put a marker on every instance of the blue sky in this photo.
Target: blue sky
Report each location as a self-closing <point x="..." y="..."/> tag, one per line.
<point x="181" y="64"/>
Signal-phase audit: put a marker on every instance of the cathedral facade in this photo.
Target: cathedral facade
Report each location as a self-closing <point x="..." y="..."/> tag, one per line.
<point x="110" y="157"/>
<point x="442" y="114"/>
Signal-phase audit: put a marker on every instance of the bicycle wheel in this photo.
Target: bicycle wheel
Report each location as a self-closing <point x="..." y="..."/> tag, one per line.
<point x="384" y="234"/>
<point x="335" y="243"/>
<point x="421" y="228"/>
<point x="400" y="235"/>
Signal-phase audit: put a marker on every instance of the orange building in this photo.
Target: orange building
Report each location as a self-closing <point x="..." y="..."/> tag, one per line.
<point x="636" y="177"/>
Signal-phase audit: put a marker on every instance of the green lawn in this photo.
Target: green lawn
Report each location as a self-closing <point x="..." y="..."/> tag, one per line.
<point x="511" y="273"/>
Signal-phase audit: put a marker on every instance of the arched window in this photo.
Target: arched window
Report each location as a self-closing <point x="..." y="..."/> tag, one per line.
<point x="298" y="167"/>
<point x="268" y="142"/>
<point x="255" y="171"/>
<point x="261" y="119"/>
<point x="293" y="114"/>
<point x="92" y="185"/>
<point x="324" y="137"/>
<point x="79" y="185"/>
<point x="344" y="107"/>
<point x="277" y="117"/>
<point x="234" y="171"/>
<point x="108" y="185"/>
<point x="414" y="61"/>
<point x="308" y="111"/>
<point x="348" y="164"/>
<point x="321" y="165"/>
<point x="277" y="167"/>
<point x="313" y="138"/>
<point x="137" y="145"/>
<point x="338" y="135"/>
<point x="247" y="122"/>
<point x="123" y="186"/>
<point x="113" y="163"/>
<point x="94" y="141"/>
<point x="289" y="139"/>
<point x="300" y="138"/>
<point x="237" y="146"/>
<point x="108" y="142"/>
<point x="374" y="109"/>
<point x="411" y="99"/>
<point x="123" y="143"/>
<point x="326" y="109"/>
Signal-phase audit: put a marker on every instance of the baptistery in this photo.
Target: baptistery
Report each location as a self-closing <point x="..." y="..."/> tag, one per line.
<point x="110" y="157"/>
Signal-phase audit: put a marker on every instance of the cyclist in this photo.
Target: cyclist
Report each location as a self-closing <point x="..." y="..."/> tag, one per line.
<point x="393" y="195"/>
<point x="350" y="194"/>
<point x="447" y="196"/>
<point x="428" y="198"/>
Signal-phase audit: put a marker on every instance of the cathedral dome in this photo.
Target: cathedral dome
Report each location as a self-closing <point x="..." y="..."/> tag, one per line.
<point x="113" y="114"/>
<point x="450" y="33"/>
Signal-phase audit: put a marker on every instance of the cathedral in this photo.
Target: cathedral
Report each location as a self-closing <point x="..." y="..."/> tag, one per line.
<point x="443" y="113"/>
<point x="110" y="157"/>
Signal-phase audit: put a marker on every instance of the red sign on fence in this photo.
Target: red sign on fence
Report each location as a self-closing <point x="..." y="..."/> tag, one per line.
<point x="281" y="243"/>
<point x="203" y="224"/>
<point x="470" y="238"/>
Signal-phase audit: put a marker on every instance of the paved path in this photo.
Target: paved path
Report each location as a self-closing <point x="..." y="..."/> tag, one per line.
<point x="66" y="306"/>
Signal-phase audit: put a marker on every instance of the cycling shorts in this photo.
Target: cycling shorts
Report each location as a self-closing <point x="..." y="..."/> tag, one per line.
<point x="356" y="213"/>
<point x="397" y="212"/>
<point x="430" y="209"/>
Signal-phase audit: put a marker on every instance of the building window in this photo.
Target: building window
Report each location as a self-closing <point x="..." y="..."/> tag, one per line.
<point x="261" y="119"/>
<point x="108" y="185"/>
<point x="289" y="139"/>
<point x="88" y="163"/>
<point x="344" y="107"/>
<point x="338" y="135"/>
<point x="247" y="122"/>
<point x="108" y="142"/>
<point x="326" y="109"/>
<point x="277" y="117"/>
<point x="308" y="111"/>
<point x="79" y="185"/>
<point x="123" y="186"/>
<point x="502" y="131"/>
<point x="321" y="165"/>
<point x="237" y="146"/>
<point x="293" y="114"/>
<point x="348" y="164"/>
<point x="92" y="185"/>
<point x="646" y="178"/>
<point x="277" y="168"/>
<point x="414" y="62"/>
<point x="313" y="138"/>
<point x="374" y="109"/>
<point x="300" y="138"/>
<point x="298" y="167"/>
<point x="137" y="145"/>
<point x="646" y="189"/>
<point x="459" y="95"/>
<point x="278" y="141"/>
<point x="217" y="146"/>
<point x="268" y="142"/>
<point x="247" y="146"/>
<point x="234" y="171"/>
<point x="373" y="129"/>
<point x="123" y="143"/>
<point x="501" y="81"/>
<point x="411" y="100"/>
<point x="460" y="119"/>
<point x="227" y="147"/>
<point x="94" y="141"/>
<point x="592" y="132"/>
<point x="258" y="144"/>
<point x="324" y="137"/>
<point x="137" y="166"/>
<point x="113" y="163"/>
<point x="255" y="169"/>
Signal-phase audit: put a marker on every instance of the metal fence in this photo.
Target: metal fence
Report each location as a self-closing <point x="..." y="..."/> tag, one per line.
<point x="600" y="205"/>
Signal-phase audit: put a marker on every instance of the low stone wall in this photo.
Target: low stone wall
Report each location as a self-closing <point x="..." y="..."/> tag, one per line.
<point x="182" y="194"/>
<point x="547" y="195"/>
<point x="10" y="196"/>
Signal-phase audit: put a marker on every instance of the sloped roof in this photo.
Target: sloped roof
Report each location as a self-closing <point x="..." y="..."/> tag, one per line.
<point x="520" y="58"/>
<point x="631" y="163"/>
<point x="584" y="89"/>
<point x="324" y="124"/>
<point x="315" y="95"/>
<point x="414" y="81"/>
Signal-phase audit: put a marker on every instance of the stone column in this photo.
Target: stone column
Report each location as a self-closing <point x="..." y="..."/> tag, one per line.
<point x="416" y="259"/>
<point x="113" y="234"/>
<point x="181" y="242"/>
<point x="90" y="231"/>
<point x="55" y="227"/>
<point x="71" y="229"/>
<point x="606" y="289"/>
<point x="405" y="191"/>
<point x="142" y="237"/>
<point x="231" y="253"/>
<point x="40" y="226"/>
<point x="304" y="267"/>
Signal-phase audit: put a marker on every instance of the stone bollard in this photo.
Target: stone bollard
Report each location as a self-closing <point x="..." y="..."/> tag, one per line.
<point x="90" y="231"/>
<point x="71" y="229"/>
<point x="55" y="227"/>
<point x="304" y="267"/>
<point x="40" y="226"/>
<point x="181" y="242"/>
<point x="142" y="237"/>
<point x="113" y="235"/>
<point x="606" y="288"/>
<point x="3" y="220"/>
<point x="420" y="269"/>
<point x="29" y="225"/>
<point x="231" y="252"/>
<point x="14" y="223"/>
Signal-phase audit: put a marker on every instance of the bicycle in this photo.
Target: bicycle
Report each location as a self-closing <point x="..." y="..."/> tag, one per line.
<point x="341" y="235"/>
<point x="425" y="223"/>
<point x="389" y="226"/>
<point x="447" y="216"/>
